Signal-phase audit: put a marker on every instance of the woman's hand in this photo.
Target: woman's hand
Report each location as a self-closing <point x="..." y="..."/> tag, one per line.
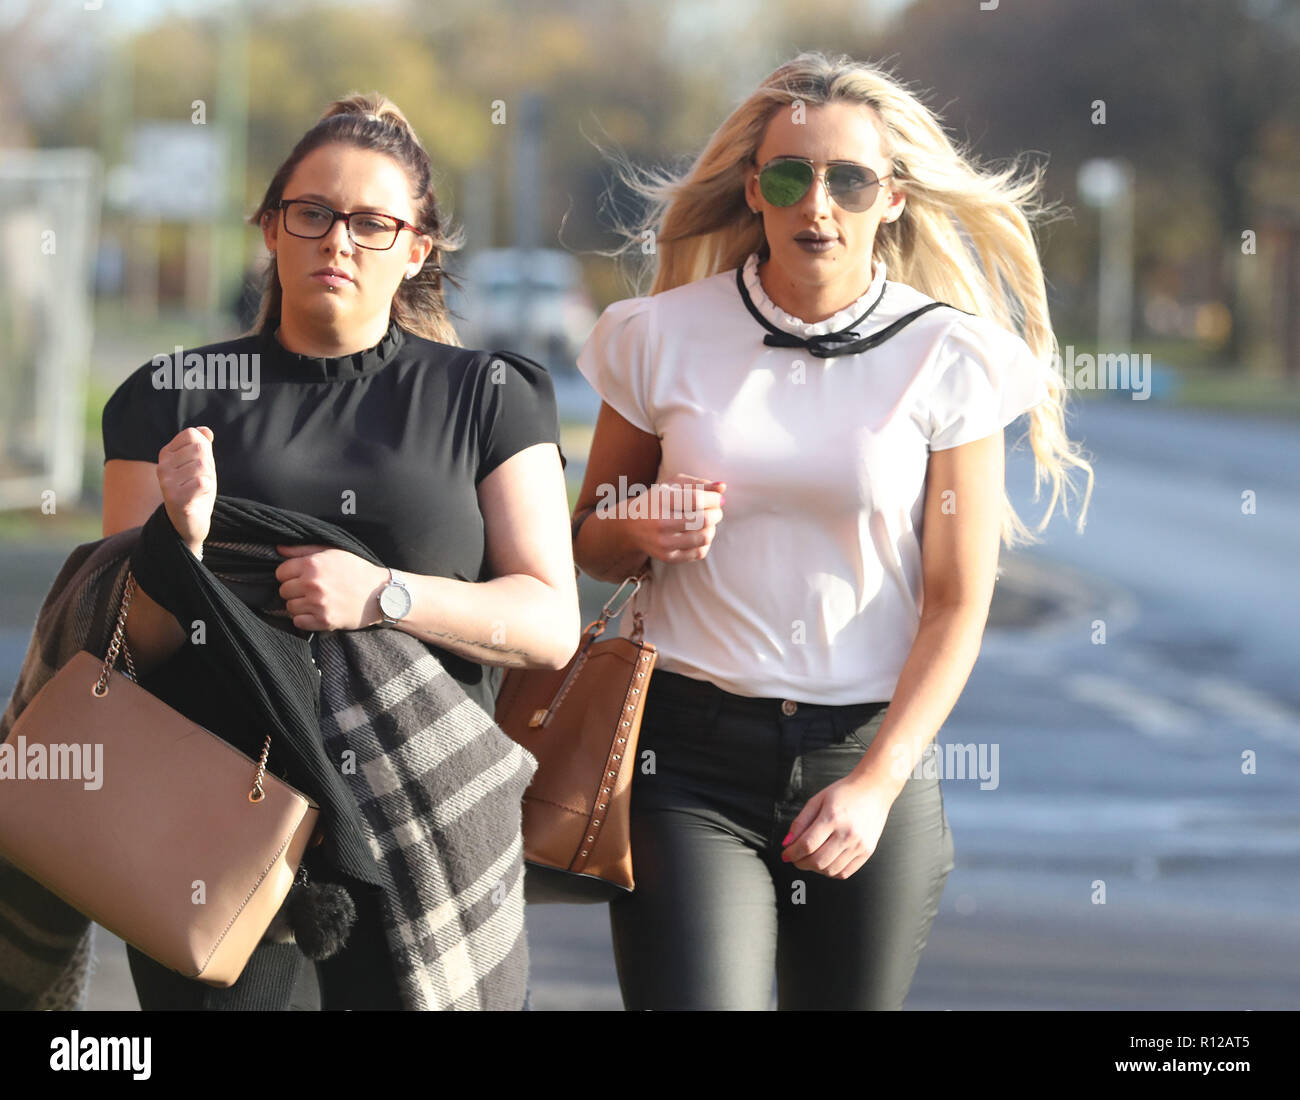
<point x="837" y="831"/>
<point x="325" y="588"/>
<point x="187" y="476"/>
<point x="684" y="517"/>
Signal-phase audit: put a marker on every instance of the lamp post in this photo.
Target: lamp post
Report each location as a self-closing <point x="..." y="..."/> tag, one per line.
<point x="1108" y="185"/>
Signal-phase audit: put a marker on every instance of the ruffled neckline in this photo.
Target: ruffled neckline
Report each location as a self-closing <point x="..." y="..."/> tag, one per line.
<point x="279" y="364"/>
<point x="789" y="323"/>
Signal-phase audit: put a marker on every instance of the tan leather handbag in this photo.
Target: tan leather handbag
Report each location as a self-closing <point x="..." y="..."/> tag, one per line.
<point x="581" y="722"/>
<point x="180" y="844"/>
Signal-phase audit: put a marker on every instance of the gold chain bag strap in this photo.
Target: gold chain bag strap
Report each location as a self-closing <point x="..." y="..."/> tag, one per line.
<point x="168" y="836"/>
<point x="581" y="722"/>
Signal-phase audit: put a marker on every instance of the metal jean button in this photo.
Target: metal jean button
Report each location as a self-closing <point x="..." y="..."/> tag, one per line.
<point x="788" y="707"/>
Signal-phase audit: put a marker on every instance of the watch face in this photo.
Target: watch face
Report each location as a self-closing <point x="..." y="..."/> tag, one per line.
<point x="394" y="601"/>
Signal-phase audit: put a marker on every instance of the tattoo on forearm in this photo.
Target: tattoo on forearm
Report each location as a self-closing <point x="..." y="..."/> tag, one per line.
<point x="442" y="635"/>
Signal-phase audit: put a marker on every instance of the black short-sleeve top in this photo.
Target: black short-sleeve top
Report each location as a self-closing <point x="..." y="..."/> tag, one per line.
<point x="389" y="443"/>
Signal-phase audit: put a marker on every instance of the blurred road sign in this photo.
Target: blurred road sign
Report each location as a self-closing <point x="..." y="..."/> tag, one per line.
<point x="176" y="172"/>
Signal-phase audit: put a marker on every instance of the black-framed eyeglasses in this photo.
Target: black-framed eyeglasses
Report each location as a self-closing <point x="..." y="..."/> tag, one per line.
<point x="367" y="229"/>
<point x="783" y="181"/>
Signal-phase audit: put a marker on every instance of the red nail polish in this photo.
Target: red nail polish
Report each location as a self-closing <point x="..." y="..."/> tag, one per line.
<point x="787" y="838"/>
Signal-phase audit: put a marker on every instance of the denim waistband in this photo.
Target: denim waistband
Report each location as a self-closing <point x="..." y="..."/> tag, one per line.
<point x="705" y="694"/>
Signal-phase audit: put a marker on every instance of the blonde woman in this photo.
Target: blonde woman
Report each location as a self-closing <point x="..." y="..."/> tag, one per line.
<point x="443" y="460"/>
<point x="814" y="391"/>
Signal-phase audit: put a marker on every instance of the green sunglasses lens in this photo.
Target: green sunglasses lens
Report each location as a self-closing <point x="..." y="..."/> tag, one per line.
<point x="785" y="182"/>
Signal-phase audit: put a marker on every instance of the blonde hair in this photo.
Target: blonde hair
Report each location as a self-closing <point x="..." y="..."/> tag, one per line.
<point x="964" y="236"/>
<point x="373" y="121"/>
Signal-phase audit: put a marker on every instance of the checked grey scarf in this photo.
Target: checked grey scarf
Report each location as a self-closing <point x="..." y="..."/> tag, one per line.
<point x="420" y="790"/>
<point x="439" y="785"/>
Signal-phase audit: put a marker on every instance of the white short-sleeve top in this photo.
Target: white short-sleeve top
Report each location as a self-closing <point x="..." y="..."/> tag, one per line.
<point x="811" y="590"/>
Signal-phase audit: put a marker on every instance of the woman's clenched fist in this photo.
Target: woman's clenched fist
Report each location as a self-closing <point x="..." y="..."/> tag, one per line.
<point x="187" y="476"/>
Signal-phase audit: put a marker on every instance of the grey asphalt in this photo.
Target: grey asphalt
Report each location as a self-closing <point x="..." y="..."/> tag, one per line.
<point x="1120" y="763"/>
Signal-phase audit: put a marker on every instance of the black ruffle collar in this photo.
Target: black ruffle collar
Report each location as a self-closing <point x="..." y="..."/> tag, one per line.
<point x="279" y="364"/>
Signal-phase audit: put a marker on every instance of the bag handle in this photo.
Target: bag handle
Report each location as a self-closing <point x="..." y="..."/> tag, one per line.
<point x="638" y="619"/>
<point x="594" y="629"/>
<point x="118" y="643"/>
<point x="542" y="716"/>
<point x="597" y="626"/>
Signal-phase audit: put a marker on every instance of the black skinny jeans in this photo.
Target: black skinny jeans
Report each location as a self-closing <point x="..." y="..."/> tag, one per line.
<point x="716" y="910"/>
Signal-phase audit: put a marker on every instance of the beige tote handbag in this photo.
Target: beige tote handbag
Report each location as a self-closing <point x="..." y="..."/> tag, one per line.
<point x="181" y="845"/>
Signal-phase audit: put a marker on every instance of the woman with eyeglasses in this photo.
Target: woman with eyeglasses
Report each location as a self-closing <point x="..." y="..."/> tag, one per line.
<point x="814" y="391"/>
<point x="360" y="408"/>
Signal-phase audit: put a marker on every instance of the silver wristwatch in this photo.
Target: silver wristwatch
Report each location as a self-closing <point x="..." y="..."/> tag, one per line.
<point x="394" y="599"/>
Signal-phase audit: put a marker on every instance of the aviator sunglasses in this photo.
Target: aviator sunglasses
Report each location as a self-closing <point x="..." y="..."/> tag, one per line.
<point x="783" y="181"/>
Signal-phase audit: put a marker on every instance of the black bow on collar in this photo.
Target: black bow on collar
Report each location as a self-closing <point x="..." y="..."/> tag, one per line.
<point x="828" y="345"/>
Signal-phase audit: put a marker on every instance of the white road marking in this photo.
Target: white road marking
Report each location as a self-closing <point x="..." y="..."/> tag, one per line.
<point x="1246" y="706"/>
<point x="1147" y="713"/>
